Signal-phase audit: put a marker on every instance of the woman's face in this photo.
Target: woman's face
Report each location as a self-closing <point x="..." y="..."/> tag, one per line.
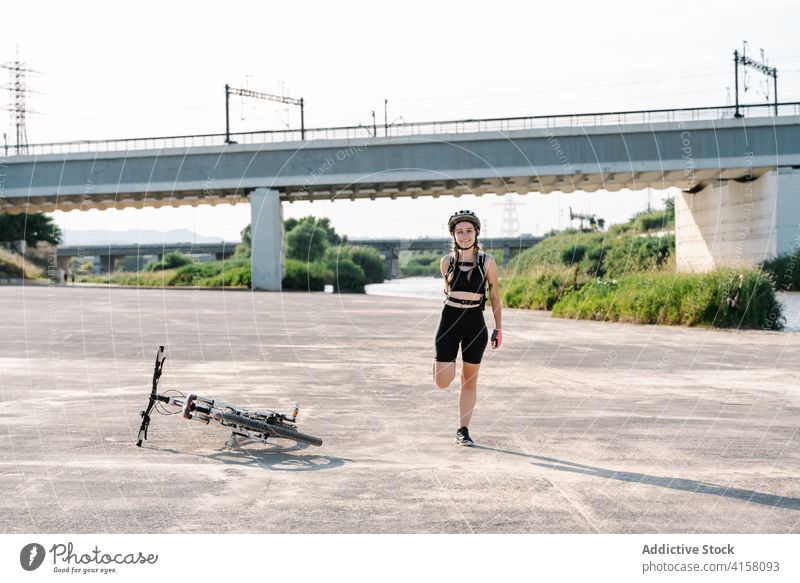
<point x="464" y="234"/>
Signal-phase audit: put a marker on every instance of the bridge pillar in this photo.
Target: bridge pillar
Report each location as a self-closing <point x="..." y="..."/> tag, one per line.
<point x="391" y="256"/>
<point x="266" y="220"/>
<point x="387" y="258"/>
<point x="63" y="269"/>
<point x="108" y="263"/>
<point x="394" y="263"/>
<point x="737" y="224"/>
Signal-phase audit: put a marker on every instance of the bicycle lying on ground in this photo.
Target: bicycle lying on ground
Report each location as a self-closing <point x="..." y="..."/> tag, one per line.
<point x="256" y="425"/>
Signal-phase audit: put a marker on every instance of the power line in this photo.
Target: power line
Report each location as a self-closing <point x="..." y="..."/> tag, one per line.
<point x="746" y="61"/>
<point x="267" y="96"/>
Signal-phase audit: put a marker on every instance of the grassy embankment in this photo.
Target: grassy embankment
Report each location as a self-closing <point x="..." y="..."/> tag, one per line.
<point x="627" y="274"/>
<point x="345" y="267"/>
<point x="15" y="266"/>
<point x="233" y="272"/>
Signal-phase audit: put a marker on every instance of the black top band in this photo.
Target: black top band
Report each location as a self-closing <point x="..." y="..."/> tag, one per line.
<point x="464" y="302"/>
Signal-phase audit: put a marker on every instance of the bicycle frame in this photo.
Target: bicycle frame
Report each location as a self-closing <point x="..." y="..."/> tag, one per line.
<point x="258" y="425"/>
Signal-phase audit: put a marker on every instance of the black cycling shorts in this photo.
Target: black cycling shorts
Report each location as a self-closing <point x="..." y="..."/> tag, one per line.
<point x="465" y="327"/>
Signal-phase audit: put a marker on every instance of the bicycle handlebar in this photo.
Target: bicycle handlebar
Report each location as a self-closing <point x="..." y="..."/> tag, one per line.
<point x="154" y="396"/>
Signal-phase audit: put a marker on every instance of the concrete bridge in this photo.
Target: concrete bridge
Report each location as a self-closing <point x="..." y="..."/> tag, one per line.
<point x="739" y="175"/>
<point x="110" y="255"/>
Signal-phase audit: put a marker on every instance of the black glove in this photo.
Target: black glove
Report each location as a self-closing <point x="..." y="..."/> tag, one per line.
<point x="497" y="338"/>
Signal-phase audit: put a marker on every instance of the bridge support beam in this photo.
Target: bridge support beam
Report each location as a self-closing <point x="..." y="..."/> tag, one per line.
<point x="737" y="224"/>
<point x="266" y="226"/>
<point x="63" y="269"/>
<point x="108" y="263"/>
<point x="393" y="263"/>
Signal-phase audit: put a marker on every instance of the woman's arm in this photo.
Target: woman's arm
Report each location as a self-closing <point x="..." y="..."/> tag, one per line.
<point x="493" y="281"/>
<point x="444" y="264"/>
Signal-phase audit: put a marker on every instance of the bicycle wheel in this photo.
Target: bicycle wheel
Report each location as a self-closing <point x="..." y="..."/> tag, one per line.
<point x="270" y="428"/>
<point x="289" y="433"/>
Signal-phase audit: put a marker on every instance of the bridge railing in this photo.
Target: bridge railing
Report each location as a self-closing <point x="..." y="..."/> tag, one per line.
<point x="543" y="122"/>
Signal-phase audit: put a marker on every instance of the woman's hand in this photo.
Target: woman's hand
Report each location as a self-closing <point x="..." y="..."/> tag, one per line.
<point x="497" y="338"/>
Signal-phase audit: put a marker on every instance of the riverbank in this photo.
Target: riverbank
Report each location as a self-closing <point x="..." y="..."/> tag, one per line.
<point x="431" y="287"/>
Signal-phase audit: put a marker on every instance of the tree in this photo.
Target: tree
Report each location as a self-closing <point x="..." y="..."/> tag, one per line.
<point x="30" y="228"/>
<point x="306" y="239"/>
<point x="306" y="242"/>
<point x="347" y="276"/>
<point x="289" y="224"/>
<point x="371" y="262"/>
<point x="244" y="248"/>
<point x="323" y="224"/>
<point x="669" y="207"/>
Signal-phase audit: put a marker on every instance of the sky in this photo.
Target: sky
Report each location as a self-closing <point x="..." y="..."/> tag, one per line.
<point x="159" y="68"/>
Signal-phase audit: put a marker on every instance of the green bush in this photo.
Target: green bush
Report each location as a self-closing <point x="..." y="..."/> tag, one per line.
<point x="429" y="260"/>
<point x="190" y="275"/>
<point x="625" y="255"/>
<point x="162" y="278"/>
<point x="725" y="298"/>
<point x="367" y="258"/>
<point x="554" y="250"/>
<point x="567" y="249"/>
<point x="414" y="269"/>
<point x="233" y="276"/>
<point x="595" y="254"/>
<point x="171" y="260"/>
<point x="784" y="271"/>
<point x="648" y="221"/>
<point x="306" y="242"/>
<point x="419" y="263"/>
<point x="347" y="276"/>
<point x="539" y="291"/>
<point x="233" y="272"/>
<point x="573" y="254"/>
<point x="304" y="276"/>
<point x="10" y="271"/>
<point x="245" y="248"/>
<point x="653" y="221"/>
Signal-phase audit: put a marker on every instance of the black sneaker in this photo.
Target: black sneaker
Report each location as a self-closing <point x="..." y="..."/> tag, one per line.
<point x="462" y="437"/>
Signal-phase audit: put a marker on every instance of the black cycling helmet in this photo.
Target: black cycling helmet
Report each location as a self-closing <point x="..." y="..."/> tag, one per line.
<point x="461" y="216"/>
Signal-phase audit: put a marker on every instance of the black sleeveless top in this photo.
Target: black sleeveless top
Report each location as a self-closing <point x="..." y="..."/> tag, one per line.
<point x="473" y="285"/>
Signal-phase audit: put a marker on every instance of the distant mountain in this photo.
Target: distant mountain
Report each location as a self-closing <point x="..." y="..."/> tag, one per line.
<point x="134" y="236"/>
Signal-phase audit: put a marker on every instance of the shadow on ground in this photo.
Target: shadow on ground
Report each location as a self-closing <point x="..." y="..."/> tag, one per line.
<point x="683" y="484"/>
<point x="277" y="458"/>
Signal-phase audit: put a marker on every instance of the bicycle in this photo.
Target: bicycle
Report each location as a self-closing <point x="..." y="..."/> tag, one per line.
<point x="256" y="425"/>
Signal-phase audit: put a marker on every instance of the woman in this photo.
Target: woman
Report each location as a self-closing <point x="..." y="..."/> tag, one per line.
<point x="467" y="272"/>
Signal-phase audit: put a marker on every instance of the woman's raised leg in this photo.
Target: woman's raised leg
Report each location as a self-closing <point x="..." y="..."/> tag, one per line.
<point x="443" y="373"/>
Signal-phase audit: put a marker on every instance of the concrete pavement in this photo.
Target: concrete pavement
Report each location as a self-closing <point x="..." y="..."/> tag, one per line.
<point x="581" y="426"/>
